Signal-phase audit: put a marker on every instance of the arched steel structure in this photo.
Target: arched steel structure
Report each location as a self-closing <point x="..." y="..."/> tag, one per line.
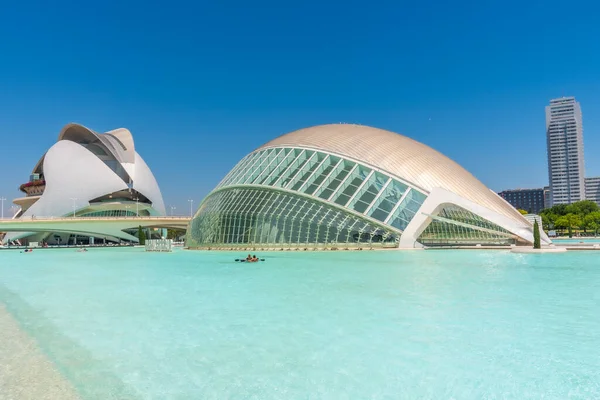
<point x="349" y="185"/>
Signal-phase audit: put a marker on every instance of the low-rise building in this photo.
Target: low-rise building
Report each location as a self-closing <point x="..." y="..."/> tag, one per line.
<point x="530" y="200"/>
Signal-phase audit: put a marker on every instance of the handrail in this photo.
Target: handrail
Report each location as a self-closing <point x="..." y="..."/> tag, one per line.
<point x="136" y="218"/>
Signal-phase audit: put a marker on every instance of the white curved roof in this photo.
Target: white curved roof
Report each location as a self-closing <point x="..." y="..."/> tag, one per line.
<point x="119" y="141"/>
<point x="398" y="155"/>
<point x="120" y="146"/>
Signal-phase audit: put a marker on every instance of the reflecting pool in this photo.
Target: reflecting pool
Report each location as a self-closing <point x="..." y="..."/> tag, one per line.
<point x="560" y="241"/>
<point x="321" y="325"/>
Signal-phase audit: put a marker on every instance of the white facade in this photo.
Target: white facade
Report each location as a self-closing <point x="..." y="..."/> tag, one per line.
<point x="592" y="189"/>
<point x="564" y="136"/>
<point x="89" y="174"/>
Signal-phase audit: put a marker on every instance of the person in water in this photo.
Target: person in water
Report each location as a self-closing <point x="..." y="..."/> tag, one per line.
<point x="254" y="258"/>
<point x="249" y="258"/>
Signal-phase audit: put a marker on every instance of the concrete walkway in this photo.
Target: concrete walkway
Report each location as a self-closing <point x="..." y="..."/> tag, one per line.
<point x="25" y="372"/>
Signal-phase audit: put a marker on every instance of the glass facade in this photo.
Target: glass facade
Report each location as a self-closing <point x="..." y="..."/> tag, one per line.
<point x="302" y="197"/>
<point x="288" y="197"/>
<point x="272" y="218"/>
<point x="113" y="213"/>
<point x="330" y="178"/>
<point x="456" y="226"/>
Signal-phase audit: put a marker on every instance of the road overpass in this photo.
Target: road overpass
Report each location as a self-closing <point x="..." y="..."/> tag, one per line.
<point x="92" y="226"/>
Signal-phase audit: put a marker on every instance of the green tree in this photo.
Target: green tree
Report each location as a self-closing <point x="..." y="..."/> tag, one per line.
<point x="582" y="208"/>
<point x="141" y="235"/>
<point x="174" y="233"/>
<point x="592" y="221"/>
<point x="523" y="212"/>
<point x="569" y="221"/>
<point x="591" y="225"/>
<point x="548" y="219"/>
<point x="559" y="209"/>
<point x="536" y="235"/>
<point x="561" y="222"/>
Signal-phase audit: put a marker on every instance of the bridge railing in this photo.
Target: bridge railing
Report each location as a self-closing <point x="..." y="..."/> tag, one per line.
<point x="42" y="218"/>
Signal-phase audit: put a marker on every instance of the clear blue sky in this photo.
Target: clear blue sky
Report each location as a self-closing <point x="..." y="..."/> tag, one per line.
<point x="200" y="84"/>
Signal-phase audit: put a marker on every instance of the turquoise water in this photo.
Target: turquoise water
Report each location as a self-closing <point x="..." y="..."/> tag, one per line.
<point x="576" y="240"/>
<point x="340" y="325"/>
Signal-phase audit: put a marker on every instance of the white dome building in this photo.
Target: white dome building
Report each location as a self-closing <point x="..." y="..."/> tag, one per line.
<point x="349" y="185"/>
<point x="87" y="174"/>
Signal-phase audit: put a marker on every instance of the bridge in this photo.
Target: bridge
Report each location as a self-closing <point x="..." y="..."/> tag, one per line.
<point x="92" y="226"/>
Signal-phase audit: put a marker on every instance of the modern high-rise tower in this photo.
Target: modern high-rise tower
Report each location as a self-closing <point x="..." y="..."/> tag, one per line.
<point x="564" y="136"/>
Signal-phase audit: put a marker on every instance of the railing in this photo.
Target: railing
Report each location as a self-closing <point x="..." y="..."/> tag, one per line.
<point x="40" y="218"/>
<point x="296" y="246"/>
<point x="159" y="245"/>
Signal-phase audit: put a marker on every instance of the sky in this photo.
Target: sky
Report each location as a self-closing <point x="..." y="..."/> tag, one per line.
<point x="201" y="84"/>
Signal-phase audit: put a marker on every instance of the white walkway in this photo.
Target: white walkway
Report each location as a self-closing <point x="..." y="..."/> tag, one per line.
<point x="91" y="226"/>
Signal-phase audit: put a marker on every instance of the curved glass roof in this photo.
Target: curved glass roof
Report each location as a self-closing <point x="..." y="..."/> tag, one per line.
<point x="332" y="179"/>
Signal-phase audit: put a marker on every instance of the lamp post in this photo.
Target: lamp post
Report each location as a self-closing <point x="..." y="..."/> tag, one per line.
<point x="14" y="210"/>
<point x="191" y="206"/>
<point x="74" y="199"/>
<point x="127" y="210"/>
<point x="2" y="200"/>
<point x="172" y="208"/>
<point x="137" y="207"/>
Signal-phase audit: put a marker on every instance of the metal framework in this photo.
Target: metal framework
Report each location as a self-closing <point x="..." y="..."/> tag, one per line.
<point x="294" y="197"/>
<point x="455" y="225"/>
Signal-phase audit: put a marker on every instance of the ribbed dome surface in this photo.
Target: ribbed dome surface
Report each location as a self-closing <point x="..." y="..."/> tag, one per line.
<point x="398" y="155"/>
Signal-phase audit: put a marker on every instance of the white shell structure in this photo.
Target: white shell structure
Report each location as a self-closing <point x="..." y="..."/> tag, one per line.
<point x="348" y="185"/>
<point x="86" y="173"/>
